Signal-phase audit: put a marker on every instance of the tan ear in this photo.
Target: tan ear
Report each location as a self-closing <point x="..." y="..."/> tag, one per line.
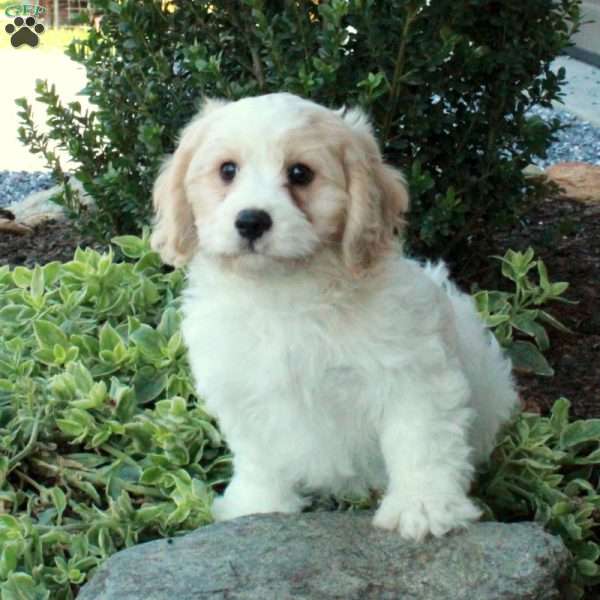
<point x="378" y="198"/>
<point x="174" y="236"/>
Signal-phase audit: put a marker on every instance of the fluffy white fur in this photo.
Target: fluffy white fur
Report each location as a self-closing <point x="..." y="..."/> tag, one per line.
<point x="332" y="363"/>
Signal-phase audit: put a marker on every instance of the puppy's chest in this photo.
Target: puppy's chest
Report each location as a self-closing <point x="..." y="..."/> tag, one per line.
<point x="308" y="357"/>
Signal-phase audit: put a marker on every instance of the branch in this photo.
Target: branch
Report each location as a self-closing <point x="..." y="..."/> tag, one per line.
<point x="411" y="14"/>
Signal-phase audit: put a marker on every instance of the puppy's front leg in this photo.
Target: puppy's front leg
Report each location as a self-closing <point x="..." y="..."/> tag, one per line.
<point x="425" y="448"/>
<point x="254" y="490"/>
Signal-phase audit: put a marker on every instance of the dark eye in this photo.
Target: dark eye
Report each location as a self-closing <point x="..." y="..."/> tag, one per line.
<point x="228" y="170"/>
<point x="299" y="174"/>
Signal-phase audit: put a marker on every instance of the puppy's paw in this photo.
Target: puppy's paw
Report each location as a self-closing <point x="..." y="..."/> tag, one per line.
<point x="415" y="517"/>
<point x="224" y="509"/>
<point x="238" y="501"/>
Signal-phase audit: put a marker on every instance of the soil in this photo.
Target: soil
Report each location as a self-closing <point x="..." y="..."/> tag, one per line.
<point x="48" y="242"/>
<point x="565" y="234"/>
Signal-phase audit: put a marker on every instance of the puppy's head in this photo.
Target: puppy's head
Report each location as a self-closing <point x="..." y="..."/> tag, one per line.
<point x="277" y="178"/>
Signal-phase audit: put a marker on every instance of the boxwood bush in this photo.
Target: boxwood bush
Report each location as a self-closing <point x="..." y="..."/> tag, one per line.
<point x="103" y="443"/>
<point x="447" y="84"/>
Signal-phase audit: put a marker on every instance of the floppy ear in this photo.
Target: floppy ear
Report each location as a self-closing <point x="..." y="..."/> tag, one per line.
<point x="174" y="236"/>
<point x="378" y="198"/>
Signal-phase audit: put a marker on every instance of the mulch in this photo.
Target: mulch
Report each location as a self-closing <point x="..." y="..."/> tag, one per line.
<point x="565" y="234"/>
<point x="48" y="242"/>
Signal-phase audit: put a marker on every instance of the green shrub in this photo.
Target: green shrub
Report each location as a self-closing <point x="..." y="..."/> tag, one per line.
<point x="447" y="83"/>
<point x="103" y="443"/>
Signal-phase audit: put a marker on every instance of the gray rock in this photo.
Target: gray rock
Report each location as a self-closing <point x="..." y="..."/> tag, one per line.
<point x="334" y="555"/>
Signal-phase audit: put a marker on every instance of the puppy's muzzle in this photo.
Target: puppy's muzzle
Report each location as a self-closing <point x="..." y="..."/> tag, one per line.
<point x="251" y="223"/>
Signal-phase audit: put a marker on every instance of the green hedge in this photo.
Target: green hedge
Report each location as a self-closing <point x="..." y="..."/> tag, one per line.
<point x="448" y="84"/>
<point x="103" y="443"/>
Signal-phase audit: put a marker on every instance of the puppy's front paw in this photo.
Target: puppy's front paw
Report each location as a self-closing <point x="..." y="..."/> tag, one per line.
<point x="224" y="509"/>
<point x="415" y="517"/>
<point x="240" y="500"/>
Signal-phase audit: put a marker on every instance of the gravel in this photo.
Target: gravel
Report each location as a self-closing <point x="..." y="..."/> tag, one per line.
<point x="578" y="141"/>
<point x="16" y="185"/>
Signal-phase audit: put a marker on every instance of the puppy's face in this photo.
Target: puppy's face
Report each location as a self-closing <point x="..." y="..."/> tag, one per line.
<point x="276" y="178"/>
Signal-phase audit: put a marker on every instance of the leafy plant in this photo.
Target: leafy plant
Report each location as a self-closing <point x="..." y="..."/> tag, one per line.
<point x="447" y="83"/>
<point x="546" y="469"/>
<point x="102" y="441"/>
<point x="516" y="314"/>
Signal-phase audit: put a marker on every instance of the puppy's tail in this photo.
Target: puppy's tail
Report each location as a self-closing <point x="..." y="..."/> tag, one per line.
<point x="438" y="272"/>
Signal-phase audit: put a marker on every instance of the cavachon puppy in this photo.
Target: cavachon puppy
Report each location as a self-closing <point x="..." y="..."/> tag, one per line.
<point x="332" y="363"/>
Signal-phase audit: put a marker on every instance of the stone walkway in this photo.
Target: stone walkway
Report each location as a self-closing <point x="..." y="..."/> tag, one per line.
<point x="582" y="91"/>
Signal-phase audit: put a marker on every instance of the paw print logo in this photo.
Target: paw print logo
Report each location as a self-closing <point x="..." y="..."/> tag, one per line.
<point x="24" y="32"/>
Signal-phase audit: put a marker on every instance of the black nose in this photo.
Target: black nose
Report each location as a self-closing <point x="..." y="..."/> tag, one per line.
<point x="252" y="223"/>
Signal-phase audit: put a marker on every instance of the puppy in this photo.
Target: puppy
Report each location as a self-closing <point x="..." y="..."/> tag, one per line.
<point x="332" y="363"/>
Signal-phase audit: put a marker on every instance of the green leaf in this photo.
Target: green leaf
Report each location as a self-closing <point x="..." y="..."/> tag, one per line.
<point x="10" y="552"/>
<point x="89" y="490"/>
<point x="572" y="529"/>
<point x="591" y="459"/>
<point x="495" y="320"/>
<point x="543" y="275"/>
<point x="37" y="282"/>
<point x="180" y="514"/>
<point x="528" y="359"/>
<point x="149" y="292"/>
<point x="482" y="301"/>
<point x="588" y="551"/>
<point x="548" y="318"/>
<point x="152" y="475"/>
<point x="149" y="341"/>
<point x="69" y="427"/>
<point x="175" y="344"/>
<point x="556" y="289"/>
<point x="212" y="433"/>
<point x="132" y="246"/>
<point x="156" y="513"/>
<point x="109" y="338"/>
<point x="48" y="335"/>
<point x="21" y="586"/>
<point x="59" y="354"/>
<point x="560" y="415"/>
<point x="587" y="568"/>
<point x="81" y="377"/>
<point x="11" y="314"/>
<point x="22" y="277"/>
<point x="562" y="508"/>
<point x="59" y="500"/>
<point x="100" y="437"/>
<point x="580" y="432"/>
<point x="149" y="383"/>
<point x="525" y="321"/>
<point x="51" y="272"/>
<point x="8" y="524"/>
<point x="169" y="322"/>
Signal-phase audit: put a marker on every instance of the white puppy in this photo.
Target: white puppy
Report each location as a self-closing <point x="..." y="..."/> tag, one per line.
<point x="332" y="363"/>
